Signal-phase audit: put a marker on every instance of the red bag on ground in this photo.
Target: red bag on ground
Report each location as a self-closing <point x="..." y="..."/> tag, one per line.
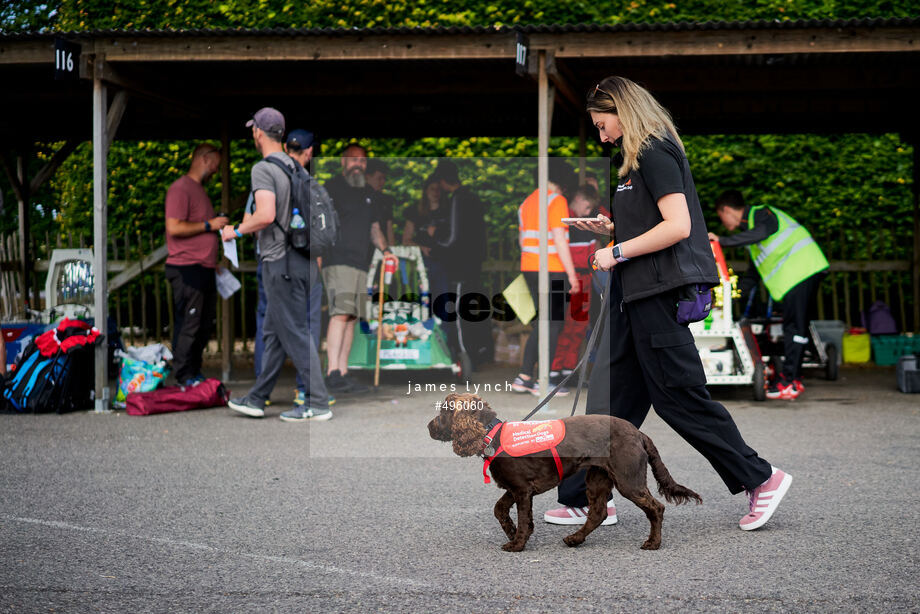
<point x="209" y="393"/>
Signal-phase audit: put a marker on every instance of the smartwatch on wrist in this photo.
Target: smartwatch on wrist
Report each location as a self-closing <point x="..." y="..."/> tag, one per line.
<point x="618" y="254"/>
<point x="236" y="230"/>
<point x="207" y="226"/>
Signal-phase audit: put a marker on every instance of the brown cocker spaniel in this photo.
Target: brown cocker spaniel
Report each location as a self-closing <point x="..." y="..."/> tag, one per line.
<point x="613" y="451"/>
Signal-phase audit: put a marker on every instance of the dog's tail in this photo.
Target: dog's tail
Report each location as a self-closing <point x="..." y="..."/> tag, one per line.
<point x="667" y="487"/>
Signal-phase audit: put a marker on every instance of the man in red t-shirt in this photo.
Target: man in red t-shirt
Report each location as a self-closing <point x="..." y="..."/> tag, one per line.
<point x="191" y="239"/>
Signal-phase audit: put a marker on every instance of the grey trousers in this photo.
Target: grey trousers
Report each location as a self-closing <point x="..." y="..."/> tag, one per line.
<point x="285" y="331"/>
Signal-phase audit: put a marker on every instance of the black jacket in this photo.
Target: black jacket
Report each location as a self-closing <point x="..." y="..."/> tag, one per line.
<point x="663" y="169"/>
<point x="460" y="239"/>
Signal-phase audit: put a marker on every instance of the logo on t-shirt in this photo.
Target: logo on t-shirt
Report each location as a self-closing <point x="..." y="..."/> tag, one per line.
<point x="625" y="186"/>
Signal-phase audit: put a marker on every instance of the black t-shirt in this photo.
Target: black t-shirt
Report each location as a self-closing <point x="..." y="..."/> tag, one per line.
<point x="420" y="223"/>
<point x="663" y="169"/>
<point x="385" y="203"/>
<point x="357" y="212"/>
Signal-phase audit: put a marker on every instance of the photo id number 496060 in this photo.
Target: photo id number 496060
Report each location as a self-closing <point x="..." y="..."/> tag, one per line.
<point x="465" y="405"/>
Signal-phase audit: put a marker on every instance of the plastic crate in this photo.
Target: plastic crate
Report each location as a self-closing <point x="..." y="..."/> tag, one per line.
<point x="886" y="349"/>
<point x="856" y="348"/>
<point x="909" y="373"/>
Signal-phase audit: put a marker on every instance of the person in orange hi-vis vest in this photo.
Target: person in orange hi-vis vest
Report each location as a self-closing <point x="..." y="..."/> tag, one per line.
<point x="582" y="243"/>
<point x="562" y="276"/>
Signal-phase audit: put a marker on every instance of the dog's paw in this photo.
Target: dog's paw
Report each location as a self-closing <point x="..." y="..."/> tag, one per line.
<point x="650" y="545"/>
<point x="512" y="547"/>
<point x="573" y="540"/>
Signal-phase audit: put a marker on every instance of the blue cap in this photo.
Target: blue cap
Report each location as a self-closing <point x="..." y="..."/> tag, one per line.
<point x="299" y="139"/>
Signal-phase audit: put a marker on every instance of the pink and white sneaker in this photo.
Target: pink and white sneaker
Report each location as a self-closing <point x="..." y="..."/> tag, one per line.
<point x="765" y="499"/>
<point x="578" y="515"/>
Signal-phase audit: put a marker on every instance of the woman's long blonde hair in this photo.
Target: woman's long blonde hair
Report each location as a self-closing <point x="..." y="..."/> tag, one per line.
<point x="641" y="117"/>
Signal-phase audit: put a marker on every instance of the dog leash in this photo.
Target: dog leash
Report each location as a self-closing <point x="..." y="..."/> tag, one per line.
<point x="580" y="367"/>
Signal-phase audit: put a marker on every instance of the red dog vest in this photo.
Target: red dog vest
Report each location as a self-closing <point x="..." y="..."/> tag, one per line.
<point x="523" y="438"/>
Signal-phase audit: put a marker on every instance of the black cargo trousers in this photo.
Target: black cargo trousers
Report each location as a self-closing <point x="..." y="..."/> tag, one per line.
<point x="646" y="359"/>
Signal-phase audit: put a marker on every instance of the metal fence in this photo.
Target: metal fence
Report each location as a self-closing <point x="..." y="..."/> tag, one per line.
<point x="142" y="308"/>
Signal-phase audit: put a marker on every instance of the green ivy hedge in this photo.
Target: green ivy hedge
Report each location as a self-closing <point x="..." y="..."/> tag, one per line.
<point x="90" y="14"/>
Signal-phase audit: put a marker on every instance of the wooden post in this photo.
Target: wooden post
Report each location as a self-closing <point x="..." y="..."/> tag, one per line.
<point x="834" y="279"/>
<point x="226" y="312"/>
<point x="543" y="128"/>
<point x="158" y="298"/>
<point x="846" y="281"/>
<point x="915" y="282"/>
<point x="118" y="294"/>
<point x="25" y="255"/>
<point x="100" y="233"/>
<point x="143" y="284"/>
<point x="129" y="291"/>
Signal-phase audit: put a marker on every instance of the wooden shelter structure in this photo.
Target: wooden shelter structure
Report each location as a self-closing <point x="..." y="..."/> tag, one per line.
<point x="740" y="77"/>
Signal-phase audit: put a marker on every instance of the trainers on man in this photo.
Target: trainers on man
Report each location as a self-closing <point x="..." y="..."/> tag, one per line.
<point x="335" y="381"/>
<point x="525" y="385"/>
<point x="300" y="398"/>
<point x="792" y="391"/>
<point x="247" y="406"/>
<point x="764" y="500"/>
<point x="578" y="515"/>
<point x="302" y="414"/>
<point x="782" y="389"/>
<point x="354" y="386"/>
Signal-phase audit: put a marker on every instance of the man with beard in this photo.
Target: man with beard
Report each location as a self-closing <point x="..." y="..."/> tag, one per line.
<point x="345" y="266"/>
<point x="192" y="244"/>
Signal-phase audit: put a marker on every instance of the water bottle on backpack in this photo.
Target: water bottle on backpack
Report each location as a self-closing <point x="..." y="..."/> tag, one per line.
<point x="297" y="220"/>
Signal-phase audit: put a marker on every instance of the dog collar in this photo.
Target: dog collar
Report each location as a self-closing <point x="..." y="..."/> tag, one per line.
<point x="487" y="448"/>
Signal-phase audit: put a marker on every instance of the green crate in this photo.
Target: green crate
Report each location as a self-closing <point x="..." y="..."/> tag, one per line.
<point x="886" y="349"/>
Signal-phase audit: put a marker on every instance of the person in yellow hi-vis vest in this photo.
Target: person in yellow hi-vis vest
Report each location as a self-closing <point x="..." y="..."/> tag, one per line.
<point x="791" y="265"/>
<point x="563" y="279"/>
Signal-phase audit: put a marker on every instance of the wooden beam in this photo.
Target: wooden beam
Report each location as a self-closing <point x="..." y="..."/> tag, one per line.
<point x="47" y="171"/>
<point x="134" y="269"/>
<point x="748" y="41"/>
<point x="28" y="52"/>
<point x="114" y="115"/>
<point x="9" y="166"/>
<point x="113" y="76"/>
<point x="499" y="44"/>
<point x="843" y="266"/>
<point x="341" y="46"/>
<point x="563" y="86"/>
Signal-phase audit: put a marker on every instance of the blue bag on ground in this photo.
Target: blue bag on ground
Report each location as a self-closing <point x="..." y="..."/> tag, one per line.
<point x="142" y="370"/>
<point x="56" y="372"/>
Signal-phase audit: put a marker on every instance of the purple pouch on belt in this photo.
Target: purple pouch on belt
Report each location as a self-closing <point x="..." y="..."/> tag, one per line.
<point x="693" y="303"/>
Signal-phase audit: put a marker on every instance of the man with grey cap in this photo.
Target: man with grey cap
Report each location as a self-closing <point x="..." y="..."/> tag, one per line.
<point x="287" y="276"/>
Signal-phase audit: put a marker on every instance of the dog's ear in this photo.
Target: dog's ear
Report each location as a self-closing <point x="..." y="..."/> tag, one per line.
<point x="467" y="433"/>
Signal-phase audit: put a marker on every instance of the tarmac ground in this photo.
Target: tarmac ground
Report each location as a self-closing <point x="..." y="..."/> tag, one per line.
<point x="208" y="511"/>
